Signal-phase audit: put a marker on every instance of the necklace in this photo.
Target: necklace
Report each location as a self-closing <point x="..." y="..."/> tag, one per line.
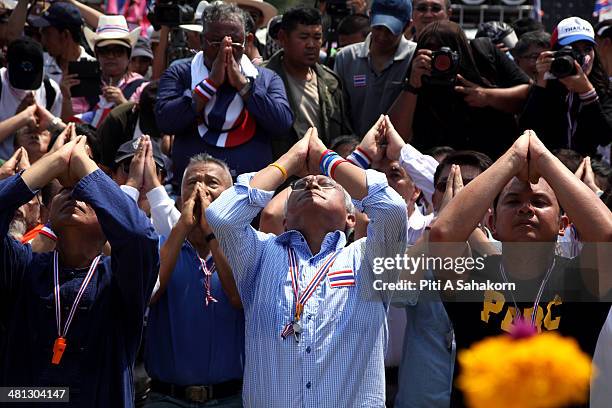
<point x="504" y="276"/>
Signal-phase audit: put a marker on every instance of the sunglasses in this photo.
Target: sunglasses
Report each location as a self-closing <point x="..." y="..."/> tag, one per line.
<point x="112" y="51"/>
<point x="424" y="8"/>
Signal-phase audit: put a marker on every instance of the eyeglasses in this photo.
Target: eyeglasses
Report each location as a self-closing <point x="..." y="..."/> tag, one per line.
<point x="238" y="47"/>
<point x="424" y="8"/>
<point x="112" y="51"/>
<point x="322" y="182"/>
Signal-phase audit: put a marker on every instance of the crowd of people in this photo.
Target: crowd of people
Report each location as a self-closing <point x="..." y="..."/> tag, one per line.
<point x="196" y="224"/>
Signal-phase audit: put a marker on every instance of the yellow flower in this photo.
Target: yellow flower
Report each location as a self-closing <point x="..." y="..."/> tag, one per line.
<point x="543" y="371"/>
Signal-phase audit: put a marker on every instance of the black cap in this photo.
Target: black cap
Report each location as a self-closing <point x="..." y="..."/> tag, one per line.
<point x="25" y="64"/>
<point x="128" y="149"/>
<point x="58" y="15"/>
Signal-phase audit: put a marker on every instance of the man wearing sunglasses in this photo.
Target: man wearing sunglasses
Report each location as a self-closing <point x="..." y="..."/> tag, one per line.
<point x="221" y="103"/>
<point x="316" y="327"/>
<point x="427" y="11"/>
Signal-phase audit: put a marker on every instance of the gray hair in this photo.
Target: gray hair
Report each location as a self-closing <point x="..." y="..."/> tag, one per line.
<point x="220" y="11"/>
<point x="205" y="158"/>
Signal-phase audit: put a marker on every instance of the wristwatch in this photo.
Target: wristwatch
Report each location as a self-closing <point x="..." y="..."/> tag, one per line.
<point x="246" y="88"/>
<point x="407" y="87"/>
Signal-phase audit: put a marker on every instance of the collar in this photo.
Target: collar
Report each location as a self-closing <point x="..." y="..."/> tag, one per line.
<point x="333" y="240"/>
<point x="405" y="48"/>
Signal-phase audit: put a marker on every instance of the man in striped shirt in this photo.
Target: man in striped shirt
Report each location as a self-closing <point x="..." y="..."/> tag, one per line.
<point x="316" y="328"/>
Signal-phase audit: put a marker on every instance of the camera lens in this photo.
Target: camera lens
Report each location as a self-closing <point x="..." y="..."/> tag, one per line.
<point x="442" y="63"/>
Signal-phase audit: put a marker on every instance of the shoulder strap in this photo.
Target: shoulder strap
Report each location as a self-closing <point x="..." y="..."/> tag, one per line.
<point x="49" y="93"/>
<point x="130" y="88"/>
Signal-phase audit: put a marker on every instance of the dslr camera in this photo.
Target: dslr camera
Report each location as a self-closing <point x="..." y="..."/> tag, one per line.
<point x="172" y="13"/>
<point x="563" y="62"/>
<point x="444" y="67"/>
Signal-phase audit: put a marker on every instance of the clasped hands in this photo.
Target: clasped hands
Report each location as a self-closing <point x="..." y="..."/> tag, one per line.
<point x="381" y="143"/>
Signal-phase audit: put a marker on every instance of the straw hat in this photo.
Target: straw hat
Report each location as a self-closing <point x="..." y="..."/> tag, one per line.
<point x="111" y="30"/>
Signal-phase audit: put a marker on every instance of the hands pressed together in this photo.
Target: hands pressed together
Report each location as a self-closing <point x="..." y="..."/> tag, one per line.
<point x="194" y="208"/>
<point x="380" y="143"/>
<point x="143" y="171"/>
<point x="225" y="68"/>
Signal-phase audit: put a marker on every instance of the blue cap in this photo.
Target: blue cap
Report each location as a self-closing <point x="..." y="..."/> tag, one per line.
<point x="58" y="15"/>
<point x="393" y="14"/>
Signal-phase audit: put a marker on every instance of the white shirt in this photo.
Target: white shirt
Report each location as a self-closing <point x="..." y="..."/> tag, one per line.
<point x="10" y="100"/>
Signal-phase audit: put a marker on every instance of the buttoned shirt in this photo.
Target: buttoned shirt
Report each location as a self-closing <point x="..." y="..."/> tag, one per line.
<point x="339" y="360"/>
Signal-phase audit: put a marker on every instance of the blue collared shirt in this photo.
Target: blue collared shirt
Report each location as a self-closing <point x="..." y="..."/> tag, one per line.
<point x="189" y="343"/>
<point x="105" y="334"/>
<point x="339" y="360"/>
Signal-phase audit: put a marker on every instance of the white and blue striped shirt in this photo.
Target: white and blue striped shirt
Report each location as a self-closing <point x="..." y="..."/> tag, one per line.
<point x="339" y="360"/>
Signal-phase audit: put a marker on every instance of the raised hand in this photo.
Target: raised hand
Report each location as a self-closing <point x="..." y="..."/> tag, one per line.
<point x="188" y="219"/>
<point x="25" y="102"/>
<point x="519" y="153"/>
<point x="234" y="74"/>
<point x="11" y="166"/>
<point x="80" y="162"/>
<point x="204" y="200"/>
<point x="67" y="135"/>
<point x="137" y="166"/>
<point x="578" y="83"/>
<point x="586" y="175"/>
<point x="543" y="64"/>
<point x="316" y="148"/>
<point x="374" y="142"/>
<point x="537" y="153"/>
<point x="421" y="65"/>
<point x="454" y="184"/>
<point x="395" y="143"/>
<point x="150" y="180"/>
<point x="113" y="94"/>
<point x="217" y="72"/>
<point x="24" y="160"/>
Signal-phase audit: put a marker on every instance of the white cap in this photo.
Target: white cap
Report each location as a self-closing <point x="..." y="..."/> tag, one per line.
<point x="574" y="29"/>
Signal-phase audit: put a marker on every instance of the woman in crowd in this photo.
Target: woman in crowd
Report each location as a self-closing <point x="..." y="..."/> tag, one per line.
<point x="458" y="95"/>
<point x="570" y="106"/>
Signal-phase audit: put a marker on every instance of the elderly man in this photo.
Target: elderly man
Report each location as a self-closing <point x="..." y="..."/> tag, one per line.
<point x="316" y="328"/>
<point x="200" y="356"/>
<point x="73" y="317"/>
<point x="221" y="103"/>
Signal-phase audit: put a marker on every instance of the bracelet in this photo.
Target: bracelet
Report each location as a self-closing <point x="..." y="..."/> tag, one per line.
<point x="210" y="237"/>
<point x="360" y="158"/>
<point x="281" y="168"/>
<point x="329" y="161"/>
<point x="206" y="89"/>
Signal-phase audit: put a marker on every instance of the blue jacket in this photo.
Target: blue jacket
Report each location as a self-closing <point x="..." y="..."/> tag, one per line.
<point x="176" y="115"/>
<point x="104" y="336"/>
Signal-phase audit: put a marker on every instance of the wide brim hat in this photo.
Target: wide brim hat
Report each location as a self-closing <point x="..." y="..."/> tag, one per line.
<point x="111" y="30"/>
<point x="267" y="10"/>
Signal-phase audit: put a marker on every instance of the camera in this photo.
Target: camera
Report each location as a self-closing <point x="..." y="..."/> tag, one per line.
<point x="171" y="13"/>
<point x="563" y="62"/>
<point x="337" y="9"/>
<point x="444" y="67"/>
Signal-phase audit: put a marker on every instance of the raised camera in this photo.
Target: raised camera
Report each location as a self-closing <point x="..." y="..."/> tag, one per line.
<point x="444" y="67"/>
<point x="563" y="62"/>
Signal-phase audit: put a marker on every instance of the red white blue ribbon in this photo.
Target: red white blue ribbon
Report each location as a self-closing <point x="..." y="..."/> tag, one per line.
<point x="302" y="298"/>
<point x="207" y="275"/>
<point x="77" y="299"/>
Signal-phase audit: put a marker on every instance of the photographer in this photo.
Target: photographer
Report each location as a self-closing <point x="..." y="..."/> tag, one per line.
<point x="571" y="104"/>
<point x="528" y="49"/>
<point x="452" y="97"/>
